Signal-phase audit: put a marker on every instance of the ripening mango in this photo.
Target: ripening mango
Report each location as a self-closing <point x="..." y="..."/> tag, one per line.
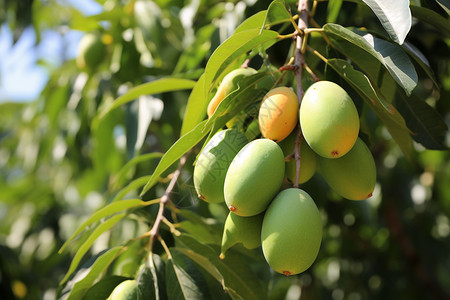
<point x="229" y="83"/>
<point x="308" y="159"/>
<point x="126" y="290"/>
<point x="352" y="176"/>
<point x="245" y="230"/>
<point x="329" y="119"/>
<point x="213" y="162"/>
<point x="91" y="51"/>
<point x="291" y="232"/>
<point x="254" y="177"/>
<point x="278" y="113"/>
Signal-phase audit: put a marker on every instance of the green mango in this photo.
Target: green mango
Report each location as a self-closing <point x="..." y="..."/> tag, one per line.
<point x="254" y="177"/>
<point x="213" y="162"/>
<point x="245" y="230"/>
<point x="126" y="290"/>
<point x="291" y="232"/>
<point x="308" y="159"/>
<point x="229" y="83"/>
<point x="352" y="176"/>
<point x="329" y="119"/>
<point x="91" y="51"/>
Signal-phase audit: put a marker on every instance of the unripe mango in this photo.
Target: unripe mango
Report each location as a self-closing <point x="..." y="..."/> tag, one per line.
<point x="329" y="119"/>
<point x="291" y="232"/>
<point x="308" y="159"/>
<point x="352" y="176"/>
<point x="229" y="83"/>
<point x="126" y="290"/>
<point x="254" y="177"/>
<point x="213" y="162"/>
<point x="278" y="113"/>
<point x="91" y="51"/>
<point x="245" y="230"/>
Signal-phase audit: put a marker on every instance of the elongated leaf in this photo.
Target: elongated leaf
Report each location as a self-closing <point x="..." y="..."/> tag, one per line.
<point x="395" y="17"/>
<point x="368" y="58"/>
<point x="154" y="87"/>
<point x="421" y="60"/>
<point x="255" y="21"/>
<point x="181" y="146"/>
<point x="230" y="50"/>
<point x="80" y="288"/>
<point x="106" y="211"/>
<point x="238" y="280"/>
<point x="146" y="283"/>
<point x="277" y="13"/>
<point x="333" y="9"/>
<point x="433" y="18"/>
<point x="445" y="4"/>
<point x="181" y="283"/>
<point x="88" y="243"/>
<point x="132" y="186"/>
<point x="390" y="117"/>
<point x="427" y="125"/>
<point x="120" y="176"/>
<point x="195" y="108"/>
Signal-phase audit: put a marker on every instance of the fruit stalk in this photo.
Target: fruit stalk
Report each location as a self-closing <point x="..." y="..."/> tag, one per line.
<point x="300" y="63"/>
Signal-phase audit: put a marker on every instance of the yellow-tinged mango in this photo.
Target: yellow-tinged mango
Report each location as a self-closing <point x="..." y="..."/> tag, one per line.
<point x="352" y="176"/>
<point x="245" y="230"/>
<point x="229" y="83"/>
<point x="213" y="162"/>
<point x="278" y="113"/>
<point x="291" y="232"/>
<point x="308" y="159"/>
<point x="254" y="177"/>
<point x="329" y="119"/>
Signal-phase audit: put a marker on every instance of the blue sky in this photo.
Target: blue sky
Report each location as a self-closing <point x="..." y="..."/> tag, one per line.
<point x="21" y="78"/>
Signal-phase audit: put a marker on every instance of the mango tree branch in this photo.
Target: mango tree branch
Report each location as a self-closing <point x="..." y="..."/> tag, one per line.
<point x="300" y="63"/>
<point x="165" y="199"/>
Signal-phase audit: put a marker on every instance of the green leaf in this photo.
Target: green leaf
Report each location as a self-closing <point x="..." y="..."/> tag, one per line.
<point x="333" y="9"/>
<point x="155" y="87"/>
<point x="132" y="186"/>
<point x="236" y="277"/>
<point x="395" y="17"/>
<point x="369" y="56"/>
<point x="103" y="288"/>
<point x="255" y="21"/>
<point x="230" y="50"/>
<point x="102" y="262"/>
<point x="277" y="13"/>
<point x="106" y="211"/>
<point x="390" y="117"/>
<point x="421" y="60"/>
<point x="120" y="176"/>
<point x="145" y="282"/>
<point x="433" y="18"/>
<point x="427" y="125"/>
<point x="182" y="283"/>
<point x="195" y="108"/>
<point x="181" y="146"/>
<point x="90" y="240"/>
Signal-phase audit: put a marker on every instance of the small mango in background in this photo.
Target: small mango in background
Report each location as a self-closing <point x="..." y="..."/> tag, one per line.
<point x="245" y="230"/>
<point x="213" y="162"/>
<point x="229" y="83"/>
<point x="352" y="176"/>
<point x="329" y="119"/>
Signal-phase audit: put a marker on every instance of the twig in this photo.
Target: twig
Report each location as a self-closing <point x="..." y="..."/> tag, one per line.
<point x="300" y="62"/>
<point x="165" y="199"/>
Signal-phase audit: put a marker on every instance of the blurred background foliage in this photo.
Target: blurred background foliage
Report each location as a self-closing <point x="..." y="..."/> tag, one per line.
<point x="59" y="163"/>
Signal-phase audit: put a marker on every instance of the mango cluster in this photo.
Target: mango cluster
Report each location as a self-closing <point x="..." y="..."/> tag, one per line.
<point x="248" y="175"/>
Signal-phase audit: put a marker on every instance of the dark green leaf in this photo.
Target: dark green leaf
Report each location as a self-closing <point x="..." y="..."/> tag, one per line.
<point x="333" y="9"/>
<point x="181" y="146"/>
<point x="433" y="18"/>
<point x="277" y="13"/>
